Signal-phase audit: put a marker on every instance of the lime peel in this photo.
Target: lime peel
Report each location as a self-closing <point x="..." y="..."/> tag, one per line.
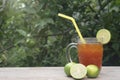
<point x="68" y="67"/>
<point x="92" y="71"/>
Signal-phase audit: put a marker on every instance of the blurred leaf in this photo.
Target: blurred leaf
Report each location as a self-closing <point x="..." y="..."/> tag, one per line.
<point x="22" y="32"/>
<point x="117" y="2"/>
<point x="45" y="21"/>
<point x="1" y="60"/>
<point x="29" y="10"/>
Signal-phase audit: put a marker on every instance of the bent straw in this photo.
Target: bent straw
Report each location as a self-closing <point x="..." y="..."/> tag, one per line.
<point x="75" y="25"/>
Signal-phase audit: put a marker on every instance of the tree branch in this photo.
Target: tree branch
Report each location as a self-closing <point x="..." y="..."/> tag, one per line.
<point x="104" y="5"/>
<point x="100" y="3"/>
<point x="12" y="45"/>
<point x="91" y="8"/>
<point x="7" y="48"/>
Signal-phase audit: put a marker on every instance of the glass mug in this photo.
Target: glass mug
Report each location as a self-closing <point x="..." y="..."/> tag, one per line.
<point x="89" y="53"/>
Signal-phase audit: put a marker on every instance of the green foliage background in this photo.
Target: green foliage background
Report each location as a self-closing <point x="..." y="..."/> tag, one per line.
<point x="32" y="34"/>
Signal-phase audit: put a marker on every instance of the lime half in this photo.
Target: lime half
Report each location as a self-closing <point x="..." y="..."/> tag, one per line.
<point x="103" y="36"/>
<point x="78" y="71"/>
<point x="68" y="67"/>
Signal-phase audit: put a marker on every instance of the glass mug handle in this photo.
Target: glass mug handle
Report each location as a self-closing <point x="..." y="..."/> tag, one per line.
<point x="68" y="49"/>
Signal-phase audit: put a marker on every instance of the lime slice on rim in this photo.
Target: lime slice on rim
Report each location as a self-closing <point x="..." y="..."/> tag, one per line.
<point x="78" y="71"/>
<point x="103" y="36"/>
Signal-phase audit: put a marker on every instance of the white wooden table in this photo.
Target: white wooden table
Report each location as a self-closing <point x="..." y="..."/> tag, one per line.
<point x="52" y="73"/>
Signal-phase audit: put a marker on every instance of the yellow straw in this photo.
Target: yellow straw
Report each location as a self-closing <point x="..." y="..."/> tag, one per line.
<point x="74" y="23"/>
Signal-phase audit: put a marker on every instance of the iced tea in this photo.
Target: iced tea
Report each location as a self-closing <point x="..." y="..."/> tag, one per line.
<point x="90" y="53"/>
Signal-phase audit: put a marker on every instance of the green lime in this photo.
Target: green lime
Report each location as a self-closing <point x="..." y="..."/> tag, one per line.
<point x="67" y="68"/>
<point x="103" y="36"/>
<point x="78" y="71"/>
<point x="92" y="71"/>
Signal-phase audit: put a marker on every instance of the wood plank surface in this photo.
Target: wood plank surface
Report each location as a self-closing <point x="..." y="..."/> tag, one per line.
<point x="52" y="73"/>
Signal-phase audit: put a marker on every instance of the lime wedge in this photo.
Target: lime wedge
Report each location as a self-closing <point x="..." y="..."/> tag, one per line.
<point x="78" y="71"/>
<point x="103" y="36"/>
<point x="67" y="68"/>
<point x="92" y="71"/>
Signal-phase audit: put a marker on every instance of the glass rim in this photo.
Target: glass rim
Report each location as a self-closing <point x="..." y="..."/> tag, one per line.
<point x="89" y="40"/>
